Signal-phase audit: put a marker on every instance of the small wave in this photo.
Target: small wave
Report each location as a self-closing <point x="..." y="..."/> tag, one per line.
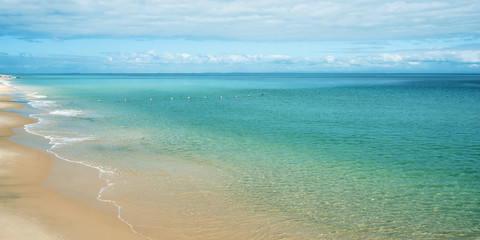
<point x="40" y="121"/>
<point x="6" y="83"/>
<point x="42" y="104"/>
<point x="67" y="112"/>
<point x="58" y="139"/>
<point x="67" y="140"/>
<point x="35" y="95"/>
<point x="102" y="172"/>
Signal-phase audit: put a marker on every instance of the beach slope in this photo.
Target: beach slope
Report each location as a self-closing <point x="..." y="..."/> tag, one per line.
<point x="30" y="210"/>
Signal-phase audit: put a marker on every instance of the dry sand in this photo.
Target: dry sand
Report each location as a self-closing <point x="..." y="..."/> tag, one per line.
<point x="29" y="209"/>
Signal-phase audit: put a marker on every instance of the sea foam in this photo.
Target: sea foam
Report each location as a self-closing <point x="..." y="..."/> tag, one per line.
<point x="35" y="95"/>
<point x="56" y="140"/>
<point x="5" y="82"/>
<point x="42" y="104"/>
<point x="67" y="112"/>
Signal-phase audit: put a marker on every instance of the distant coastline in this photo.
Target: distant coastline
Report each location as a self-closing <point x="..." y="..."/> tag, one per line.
<point x="7" y="76"/>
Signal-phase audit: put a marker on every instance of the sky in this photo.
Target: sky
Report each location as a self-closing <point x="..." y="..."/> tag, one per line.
<point x="155" y="36"/>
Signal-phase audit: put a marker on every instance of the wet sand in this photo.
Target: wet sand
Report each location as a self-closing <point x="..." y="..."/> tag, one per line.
<point x="29" y="209"/>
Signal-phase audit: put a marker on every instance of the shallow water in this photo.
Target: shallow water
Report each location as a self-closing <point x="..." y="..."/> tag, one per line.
<point x="270" y="156"/>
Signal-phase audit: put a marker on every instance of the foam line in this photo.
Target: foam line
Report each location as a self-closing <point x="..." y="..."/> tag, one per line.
<point x="53" y="144"/>
<point x="101" y="171"/>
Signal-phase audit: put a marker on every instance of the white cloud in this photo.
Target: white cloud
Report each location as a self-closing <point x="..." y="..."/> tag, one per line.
<point x="469" y="56"/>
<point x="152" y="57"/>
<point x="392" y="57"/>
<point x="154" y="61"/>
<point x="282" y="59"/>
<point x="244" y="20"/>
<point x="330" y="59"/>
<point x="383" y="60"/>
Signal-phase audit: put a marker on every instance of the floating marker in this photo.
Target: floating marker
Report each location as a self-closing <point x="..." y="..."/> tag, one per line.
<point x="248" y="95"/>
<point x="221" y="96"/>
<point x="98" y="100"/>
<point x="150" y="99"/>
<point x="205" y="97"/>
<point x="236" y="96"/>
<point x="188" y="97"/>
<point x="171" y="98"/>
<point x="125" y="100"/>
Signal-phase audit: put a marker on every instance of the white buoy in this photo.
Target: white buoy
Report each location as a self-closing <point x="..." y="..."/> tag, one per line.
<point x="98" y="100"/>
<point x="125" y="100"/>
<point x="236" y="96"/>
<point x="150" y="99"/>
<point x="248" y="95"/>
<point x="221" y="96"/>
<point x="171" y="98"/>
<point x="205" y="97"/>
<point x="188" y="97"/>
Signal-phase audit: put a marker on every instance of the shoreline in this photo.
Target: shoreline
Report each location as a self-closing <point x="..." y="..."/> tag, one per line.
<point x="32" y="207"/>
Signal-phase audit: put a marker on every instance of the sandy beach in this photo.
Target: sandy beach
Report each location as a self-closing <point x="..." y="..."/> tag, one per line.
<point x="31" y="210"/>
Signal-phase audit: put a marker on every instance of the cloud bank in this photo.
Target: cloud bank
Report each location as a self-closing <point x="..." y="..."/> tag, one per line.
<point x="465" y="57"/>
<point x="273" y="20"/>
<point x="152" y="61"/>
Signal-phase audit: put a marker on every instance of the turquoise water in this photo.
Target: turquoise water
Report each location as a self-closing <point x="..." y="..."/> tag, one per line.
<point x="274" y="156"/>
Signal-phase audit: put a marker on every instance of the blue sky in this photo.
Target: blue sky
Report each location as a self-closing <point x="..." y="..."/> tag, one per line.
<point x="48" y="36"/>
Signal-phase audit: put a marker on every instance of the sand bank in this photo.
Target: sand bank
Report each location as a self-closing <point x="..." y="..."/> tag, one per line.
<point x="29" y="209"/>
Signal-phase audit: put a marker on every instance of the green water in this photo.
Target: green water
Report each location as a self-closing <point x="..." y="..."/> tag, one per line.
<point x="302" y="156"/>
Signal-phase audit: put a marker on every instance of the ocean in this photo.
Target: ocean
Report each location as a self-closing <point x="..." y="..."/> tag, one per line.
<point x="272" y="155"/>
